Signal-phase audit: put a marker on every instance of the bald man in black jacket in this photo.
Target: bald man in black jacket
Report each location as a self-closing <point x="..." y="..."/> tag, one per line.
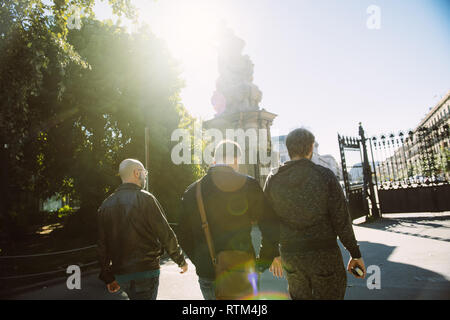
<point x="133" y="233"/>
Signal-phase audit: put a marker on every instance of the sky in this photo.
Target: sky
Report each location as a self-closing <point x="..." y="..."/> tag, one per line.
<point x="317" y="63"/>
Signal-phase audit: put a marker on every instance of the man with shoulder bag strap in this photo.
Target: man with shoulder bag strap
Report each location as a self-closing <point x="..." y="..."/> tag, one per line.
<point x="215" y="228"/>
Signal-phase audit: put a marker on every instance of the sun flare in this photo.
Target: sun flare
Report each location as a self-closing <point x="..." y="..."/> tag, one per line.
<point x="190" y="31"/>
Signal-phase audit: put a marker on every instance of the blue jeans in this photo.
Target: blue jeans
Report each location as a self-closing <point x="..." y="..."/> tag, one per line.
<point x="207" y="288"/>
<point x="140" y="289"/>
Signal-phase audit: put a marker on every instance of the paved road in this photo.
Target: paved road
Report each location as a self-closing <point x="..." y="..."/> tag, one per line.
<point x="412" y="252"/>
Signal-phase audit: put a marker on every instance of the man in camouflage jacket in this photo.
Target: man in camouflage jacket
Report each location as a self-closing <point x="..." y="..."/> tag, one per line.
<point x="312" y="210"/>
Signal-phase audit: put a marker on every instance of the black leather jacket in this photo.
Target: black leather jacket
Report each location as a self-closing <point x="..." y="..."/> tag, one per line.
<point x="133" y="231"/>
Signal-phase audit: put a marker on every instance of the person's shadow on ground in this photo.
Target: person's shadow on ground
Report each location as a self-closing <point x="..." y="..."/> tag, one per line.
<point x="397" y="280"/>
<point x="414" y="226"/>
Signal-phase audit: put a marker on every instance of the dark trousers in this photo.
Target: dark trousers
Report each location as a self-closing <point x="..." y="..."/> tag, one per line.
<point x="141" y="289"/>
<point x="316" y="274"/>
<point x="207" y="288"/>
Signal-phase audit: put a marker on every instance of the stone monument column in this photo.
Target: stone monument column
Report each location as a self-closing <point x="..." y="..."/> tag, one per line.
<point x="236" y="101"/>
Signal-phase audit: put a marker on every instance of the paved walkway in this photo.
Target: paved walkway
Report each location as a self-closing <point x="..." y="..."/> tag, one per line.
<point x="412" y="252"/>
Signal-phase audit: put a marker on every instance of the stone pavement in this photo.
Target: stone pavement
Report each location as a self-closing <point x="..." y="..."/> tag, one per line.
<point x="413" y="253"/>
<point x="411" y="250"/>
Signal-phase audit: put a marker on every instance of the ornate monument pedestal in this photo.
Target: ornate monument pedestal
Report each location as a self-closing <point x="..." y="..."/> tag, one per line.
<point x="236" y="101"/>
<point x="255" y="119"/>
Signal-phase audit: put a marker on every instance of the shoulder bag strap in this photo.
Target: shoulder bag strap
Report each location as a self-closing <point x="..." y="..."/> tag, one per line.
<point x="205" y="225"/>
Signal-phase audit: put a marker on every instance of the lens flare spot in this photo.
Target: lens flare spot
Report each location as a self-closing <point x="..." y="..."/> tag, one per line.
<point x="237" y="205"/>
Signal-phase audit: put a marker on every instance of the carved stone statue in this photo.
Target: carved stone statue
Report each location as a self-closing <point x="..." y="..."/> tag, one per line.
<point x="235" y="90"/>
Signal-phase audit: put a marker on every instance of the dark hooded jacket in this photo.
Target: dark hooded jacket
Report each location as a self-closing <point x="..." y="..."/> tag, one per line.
<point x="233" y="203"/>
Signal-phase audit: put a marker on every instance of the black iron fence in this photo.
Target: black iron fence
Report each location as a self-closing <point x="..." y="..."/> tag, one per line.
<point x="412" y="159"/>
<point x="404" y="172"/>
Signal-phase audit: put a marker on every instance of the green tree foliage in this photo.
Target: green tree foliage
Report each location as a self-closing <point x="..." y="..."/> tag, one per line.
<point x="75" y="103"/>
<point x="33" y="50"/>
<point x="134" y="83"/>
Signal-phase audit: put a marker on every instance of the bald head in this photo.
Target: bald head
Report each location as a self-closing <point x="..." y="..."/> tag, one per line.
<point x="132" y="171"/>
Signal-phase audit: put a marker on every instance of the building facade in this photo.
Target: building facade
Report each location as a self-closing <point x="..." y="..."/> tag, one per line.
<point x="431" y="137"/>
<point x="420" y="153"/>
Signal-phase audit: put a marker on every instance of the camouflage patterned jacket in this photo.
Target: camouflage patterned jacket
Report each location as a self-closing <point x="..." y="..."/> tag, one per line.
<point x="311" y="207"/>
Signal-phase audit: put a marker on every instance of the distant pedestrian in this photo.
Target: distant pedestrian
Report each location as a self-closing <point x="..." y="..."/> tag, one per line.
<point x="219" y="244"/>
<point x="309" y="201"/>
<point x="133" y="233"/>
